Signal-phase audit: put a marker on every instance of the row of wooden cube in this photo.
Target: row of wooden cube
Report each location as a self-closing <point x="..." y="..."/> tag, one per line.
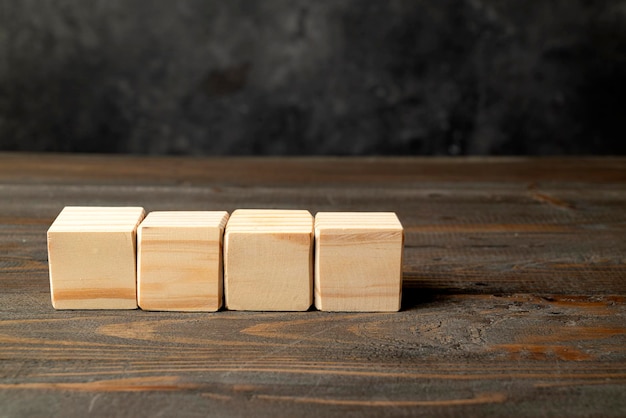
<point x="259" y="260"/>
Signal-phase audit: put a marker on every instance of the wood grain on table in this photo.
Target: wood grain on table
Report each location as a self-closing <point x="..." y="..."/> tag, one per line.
<point x="514" y="298"/>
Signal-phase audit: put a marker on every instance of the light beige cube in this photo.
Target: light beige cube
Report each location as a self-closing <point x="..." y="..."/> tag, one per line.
<point x="268" y="260"/>
<point x="92" y="257"/>
<point x="179" y="261"/>
<point x="358" y="261"/>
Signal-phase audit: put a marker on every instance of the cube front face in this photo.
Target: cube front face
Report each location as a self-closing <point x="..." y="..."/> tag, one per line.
<point x="268" y="264"/>
<point x="92" y="267"/>
<point x="180" y="261"/>
<point x="358" y="264"/>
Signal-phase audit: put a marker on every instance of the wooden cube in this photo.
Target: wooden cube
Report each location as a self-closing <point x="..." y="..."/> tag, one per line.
<point x="358" y="261"/>
<point x="268" y="260"/>
<point x="179" y="261"/>
<point x="91" y="253"/>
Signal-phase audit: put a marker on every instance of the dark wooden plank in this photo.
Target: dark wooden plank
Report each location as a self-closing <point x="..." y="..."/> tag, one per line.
<point x="514" y="299"/>
<point x="303" y="172"/>
<point x="493" y="355"/>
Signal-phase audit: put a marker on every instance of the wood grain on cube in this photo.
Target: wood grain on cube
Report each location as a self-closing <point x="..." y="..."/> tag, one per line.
<point x="179" y="261"/>
<point x="358" y="261"/>
<point x="268" y="260"/>
<point x="92" y="257"/>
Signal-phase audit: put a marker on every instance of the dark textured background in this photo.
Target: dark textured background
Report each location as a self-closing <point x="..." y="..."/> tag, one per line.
<point x="321" y="77"/>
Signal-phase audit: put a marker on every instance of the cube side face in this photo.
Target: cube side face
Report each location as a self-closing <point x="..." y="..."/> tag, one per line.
<point x="92" y="270"/>
<point x="179" y="269"/>
<point x="358" y="271"/>
<point x="268" y="271"/>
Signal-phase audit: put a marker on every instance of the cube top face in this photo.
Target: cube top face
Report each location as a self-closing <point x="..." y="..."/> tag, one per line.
<point x="268" y="264"/>
<point x="97" y="219"/>
<point x="179" y="265"/>
<point x="358" y="262"/>
<point x="270" y="221"/>
<point x="91" y="253"/>
<point x="186" y="219"/>
<point x="357" y="221"/>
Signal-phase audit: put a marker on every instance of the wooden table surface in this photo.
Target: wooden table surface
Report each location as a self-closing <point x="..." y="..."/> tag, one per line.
<point x="514" y="294"/>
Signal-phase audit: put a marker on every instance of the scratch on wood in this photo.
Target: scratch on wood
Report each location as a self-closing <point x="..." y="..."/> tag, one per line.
<point x="546" y="198"/>
<point x="551" y="200"/>
<point x="93" y="402"/>
<point x="136" y="384"/>
<point x="216" y="396"/>
<point x="479" y="399"/>
<point x="607" y="381"/>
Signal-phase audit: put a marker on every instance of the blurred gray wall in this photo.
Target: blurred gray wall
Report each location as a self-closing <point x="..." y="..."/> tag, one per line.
<point x="313" y="77"/>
